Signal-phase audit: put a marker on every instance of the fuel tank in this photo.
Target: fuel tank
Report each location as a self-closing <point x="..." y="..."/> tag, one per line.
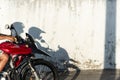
<point x="12" y="48"/>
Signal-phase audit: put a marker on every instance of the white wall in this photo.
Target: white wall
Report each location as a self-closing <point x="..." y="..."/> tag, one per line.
<point x="74" y="29"/>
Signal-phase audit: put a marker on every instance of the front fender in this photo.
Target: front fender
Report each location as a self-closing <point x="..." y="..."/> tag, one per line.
<point x="37" y="51"/>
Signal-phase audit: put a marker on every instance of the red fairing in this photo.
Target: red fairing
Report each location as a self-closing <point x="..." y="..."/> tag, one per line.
<point x="11" y="48"/>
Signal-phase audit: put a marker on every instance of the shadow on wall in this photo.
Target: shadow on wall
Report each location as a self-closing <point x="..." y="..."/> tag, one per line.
<point x="110" y="38"/>
<point x="19" y="26"/>
<point x="59" y="58"/>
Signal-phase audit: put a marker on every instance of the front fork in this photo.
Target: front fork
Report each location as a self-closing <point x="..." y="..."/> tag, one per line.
<point x="34" y="72"/>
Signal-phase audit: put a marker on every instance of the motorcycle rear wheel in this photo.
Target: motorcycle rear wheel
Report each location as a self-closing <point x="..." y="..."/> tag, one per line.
<point x="44" y="69"/>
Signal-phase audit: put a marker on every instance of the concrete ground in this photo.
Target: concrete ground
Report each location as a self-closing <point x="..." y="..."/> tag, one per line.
<point x="90" y="75"/>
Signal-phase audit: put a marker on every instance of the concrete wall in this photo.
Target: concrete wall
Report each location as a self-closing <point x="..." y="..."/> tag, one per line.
<point x="84" y="33"/>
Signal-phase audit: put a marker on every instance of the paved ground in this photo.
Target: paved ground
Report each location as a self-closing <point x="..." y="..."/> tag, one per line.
<point x="90" y="75"/>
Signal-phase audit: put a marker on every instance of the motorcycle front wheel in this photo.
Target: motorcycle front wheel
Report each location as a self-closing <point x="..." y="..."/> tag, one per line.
<point x="41" y="70"/>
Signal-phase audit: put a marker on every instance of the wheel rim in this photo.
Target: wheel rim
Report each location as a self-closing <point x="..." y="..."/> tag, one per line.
<point x="43" y="72"/>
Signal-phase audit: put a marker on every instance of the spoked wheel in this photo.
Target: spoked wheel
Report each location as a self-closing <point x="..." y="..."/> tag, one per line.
<point x="43" y="71"/>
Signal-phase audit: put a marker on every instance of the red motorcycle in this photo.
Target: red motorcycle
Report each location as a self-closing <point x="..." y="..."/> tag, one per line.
<point x="22" y="64"/>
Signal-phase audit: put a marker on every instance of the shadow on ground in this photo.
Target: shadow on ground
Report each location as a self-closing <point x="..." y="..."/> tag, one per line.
<point x="92" y="75"/>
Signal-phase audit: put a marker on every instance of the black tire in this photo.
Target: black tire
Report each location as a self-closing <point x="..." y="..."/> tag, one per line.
<point x="45" y="71"/>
